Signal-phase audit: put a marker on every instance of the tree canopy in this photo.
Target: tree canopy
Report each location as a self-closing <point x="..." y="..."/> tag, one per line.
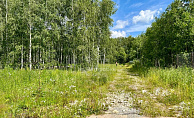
<point x="170" y="35"/>
<point x="45" y="33"/>
<point x="48" y="33"/>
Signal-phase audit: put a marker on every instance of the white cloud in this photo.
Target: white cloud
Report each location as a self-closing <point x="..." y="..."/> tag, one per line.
<point x="121" y="24"/>
<point x="137" y="5"/>
<point x="115" y="34"/>
<point x="145" y="16"/>
<point x="130" y="14"/>
<point x="138" y="28"/>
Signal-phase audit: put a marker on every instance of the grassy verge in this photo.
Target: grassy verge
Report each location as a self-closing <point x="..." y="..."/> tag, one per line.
<point x="53" y="93"/>
<point x="169" y="92"/>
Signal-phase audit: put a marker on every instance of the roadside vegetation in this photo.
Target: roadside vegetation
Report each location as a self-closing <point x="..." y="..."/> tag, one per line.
<point x="53" y="93"/>
<point x="167" y="91"/>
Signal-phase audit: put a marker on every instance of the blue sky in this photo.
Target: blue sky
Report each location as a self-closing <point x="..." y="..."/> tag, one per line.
<point x="134" y="16"/>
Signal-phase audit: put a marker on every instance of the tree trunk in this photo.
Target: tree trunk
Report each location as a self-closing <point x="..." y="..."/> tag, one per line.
<point x="39" y="56"/>
<point x="155" y="62"/>
<point x="49" y="60"/>
<point x="159" y="63"/>
<point x="89" y="58"/>
<point x="30" y="47"/>
<point x="97" y="57"/>
<point x="6" y="47"/>
<point x="104" y="56"/>
<point x="30" y="44"/>
<point x="66" y="63"/>
<point x="69" y="60"/>
<point x="2" y="35"/>
<point x="73" y="56"/>
<point x="6" y="7"/>
<point x="14" y="54"/>
<point x="61" y="55"/>
<point x="43" y="57"/>
<point x="192" y="59"/>
<point x="22" y="58"/>
<point x="177" y="60"/>
<point x="172" y="59"/>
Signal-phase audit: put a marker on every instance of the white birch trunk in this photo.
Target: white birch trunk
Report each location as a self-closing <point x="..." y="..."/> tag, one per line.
<point x="39" y="57"/>
<point x="30" y="44"/>
<point x="6" y="27"/>
<point x="97" y="57"/>
<point x="74" y="57"/>
<point x="30" y="47"/>
<point x="104" y="57"/>
<point x="43" y="58"/>
<point x="6" y="16"/>
<point x="22" y="54"/>
<point x="61" y="55"/>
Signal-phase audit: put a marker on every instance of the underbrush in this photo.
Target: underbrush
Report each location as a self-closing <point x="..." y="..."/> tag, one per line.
<point x="53" y="93"/>
<point x="173" y="87"/>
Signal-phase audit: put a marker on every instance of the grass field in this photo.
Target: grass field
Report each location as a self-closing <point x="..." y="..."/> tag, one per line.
<point x="173" y="87"/>
<point x="61" y="93"/>
<point x="53" y="93"/>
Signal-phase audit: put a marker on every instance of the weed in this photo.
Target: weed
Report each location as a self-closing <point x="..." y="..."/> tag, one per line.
<point x="171" y="86"/>
<point x="53" y="93"/>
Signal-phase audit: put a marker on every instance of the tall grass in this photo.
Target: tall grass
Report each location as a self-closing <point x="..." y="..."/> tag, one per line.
<point x="179" y="83"/>
<point x="53" y="93"/>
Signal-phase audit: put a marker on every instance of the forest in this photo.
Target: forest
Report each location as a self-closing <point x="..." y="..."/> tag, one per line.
<point x="168" y="42"/>
<point x="47" y="33"/>
<point x="50" y="33"/>
<point x="57" y="58"/>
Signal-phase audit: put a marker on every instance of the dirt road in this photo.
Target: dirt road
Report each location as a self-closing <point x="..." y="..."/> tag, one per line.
<point x="121" y="98"/>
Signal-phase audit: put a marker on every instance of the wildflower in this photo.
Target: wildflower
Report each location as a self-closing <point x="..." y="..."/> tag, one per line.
<point x="144" y="91"/>
<point x="72" y="86"/>
<point x="165" y="93"/>
<point x="157" y="91"/>
<point x="140" y="101"/>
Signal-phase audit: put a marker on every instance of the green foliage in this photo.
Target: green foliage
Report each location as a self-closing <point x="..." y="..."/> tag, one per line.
<point x="172" y="99"/>
<point x="121" y="57"/>
<point x="120" y="49"/>
<point x="170" y="35"/>
<point x="53" y="93"/>
<point x="48" y="33"/>
<point x="137" y="68"/>
<point x="172" y="86"/>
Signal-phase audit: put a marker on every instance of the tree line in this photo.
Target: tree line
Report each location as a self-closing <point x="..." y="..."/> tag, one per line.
<point x="47" y="33"/>
<point x="168" y="38"/>
<point x="170" y="35"/>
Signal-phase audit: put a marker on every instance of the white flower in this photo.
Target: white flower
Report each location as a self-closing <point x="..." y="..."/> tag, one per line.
<point x="144" y="91"/>
<point x="72" y="86"/>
